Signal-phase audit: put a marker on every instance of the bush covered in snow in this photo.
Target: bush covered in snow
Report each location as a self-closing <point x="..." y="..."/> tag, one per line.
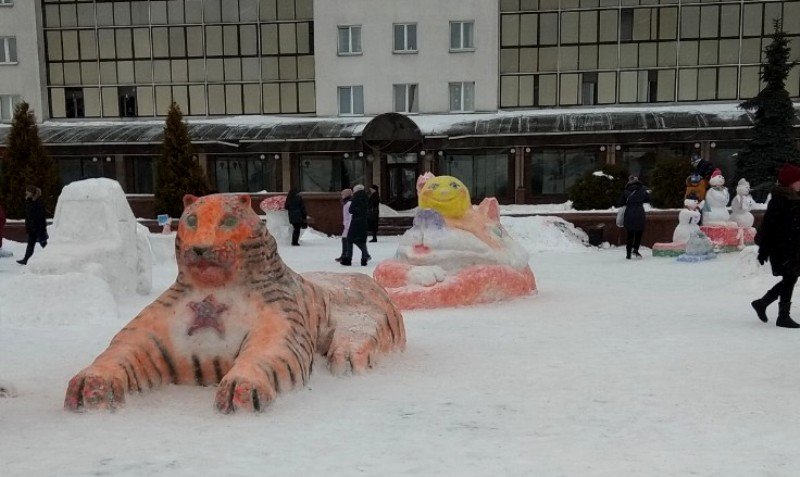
<point x="599" y="189"/>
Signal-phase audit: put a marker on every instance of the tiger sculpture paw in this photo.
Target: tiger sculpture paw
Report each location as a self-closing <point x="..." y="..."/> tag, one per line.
<point x="237" y="317"/>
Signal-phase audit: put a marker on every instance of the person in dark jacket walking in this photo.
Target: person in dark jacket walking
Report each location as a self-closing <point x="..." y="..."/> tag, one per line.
<point x="297" y="213"/>
<point x="633" y="198"/>
<point x="35" y="222"/>
<point x="373" y="216"/>
<point x="778" y="240"/>
<point x="357" y="233"/>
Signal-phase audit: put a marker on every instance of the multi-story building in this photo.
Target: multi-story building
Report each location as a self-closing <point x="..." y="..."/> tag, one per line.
<point x="113" y="59"/>
<point x="20" y="65"/>
<point x="519" y="98"/>
<point x="414" y="56"/>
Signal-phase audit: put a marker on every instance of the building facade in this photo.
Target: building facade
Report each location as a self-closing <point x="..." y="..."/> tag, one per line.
<point x="20" y="63"/>
<point x="518" y="98"/>
<point x="134" y="58"/>
<point x="414" y="56"/>
<point x="596" y="52"/>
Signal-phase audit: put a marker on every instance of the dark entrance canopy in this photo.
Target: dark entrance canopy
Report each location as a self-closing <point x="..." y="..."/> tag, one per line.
<point x="392" y="133"/>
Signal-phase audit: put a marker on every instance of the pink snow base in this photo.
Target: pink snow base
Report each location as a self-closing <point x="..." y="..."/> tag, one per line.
<point x="729" y="238"/>
<point x="476" y="284"/>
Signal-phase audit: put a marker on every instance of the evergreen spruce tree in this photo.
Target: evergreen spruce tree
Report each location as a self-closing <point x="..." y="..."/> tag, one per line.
<point x="773" y="143"/>
<point x="24" y="163"/>
<point x="177" y="173"/>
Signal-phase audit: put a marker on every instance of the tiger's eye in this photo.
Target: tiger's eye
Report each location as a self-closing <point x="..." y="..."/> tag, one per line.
<point x="454" y="185"/>
<point x="191" y="221"/>
<point x="229" y="221"/>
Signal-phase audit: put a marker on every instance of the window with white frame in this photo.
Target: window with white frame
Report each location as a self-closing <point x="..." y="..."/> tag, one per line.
<point x="462" y="36"/>
<point x="462" y="96"/>
<point x="351" y="100"/>
<point x="405" y="38"/>
<point x="405" y="98"/>
<point x="350" y="40"/>
<point x="7" y="104"/>
<point x="6" y="3"/>
<point x="8" y="49"/>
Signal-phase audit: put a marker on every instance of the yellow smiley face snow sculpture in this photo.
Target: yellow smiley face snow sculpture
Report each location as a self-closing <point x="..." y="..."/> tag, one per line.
<point x="446" y="195"/>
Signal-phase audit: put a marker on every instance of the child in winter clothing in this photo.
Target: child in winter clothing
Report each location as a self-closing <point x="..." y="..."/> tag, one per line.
<point x="347" y="248"/>
<point x="778" y="241"/>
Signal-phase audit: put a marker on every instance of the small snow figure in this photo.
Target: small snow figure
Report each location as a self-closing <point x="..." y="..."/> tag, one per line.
<point x="715" y="211"/>
<point x="7" y="390"/>
<point x="699" y="248"/>
<point x="688" y="220"/>
<point x="742" y="204"/>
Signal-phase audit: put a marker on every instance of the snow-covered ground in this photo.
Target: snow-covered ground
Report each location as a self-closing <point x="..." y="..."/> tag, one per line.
<point x="616" y="368"/>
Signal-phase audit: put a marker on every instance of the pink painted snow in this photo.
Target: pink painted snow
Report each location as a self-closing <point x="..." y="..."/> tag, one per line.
<point x="615" y="368"/>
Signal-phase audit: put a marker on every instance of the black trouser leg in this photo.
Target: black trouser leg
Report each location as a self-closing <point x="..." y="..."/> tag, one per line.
<point x="296" y="234"/>
<point x="787" y="288"/>
<point x="637" y="240"/>
<point x="629" y="244"/>
<point x="30" y="247"/>
<point x="348" y="249"/>
<point x="362" y="245"/>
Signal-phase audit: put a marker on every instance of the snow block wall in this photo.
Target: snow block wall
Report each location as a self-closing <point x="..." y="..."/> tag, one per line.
<point x="94" y="231"/>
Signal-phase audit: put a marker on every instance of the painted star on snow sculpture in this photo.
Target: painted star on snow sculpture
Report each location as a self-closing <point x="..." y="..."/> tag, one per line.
<point x="206" y="315"/>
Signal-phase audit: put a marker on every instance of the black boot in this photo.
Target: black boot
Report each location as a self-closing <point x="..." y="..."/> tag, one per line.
<point x="762" y="303"/>
<point x="784" y="320"/>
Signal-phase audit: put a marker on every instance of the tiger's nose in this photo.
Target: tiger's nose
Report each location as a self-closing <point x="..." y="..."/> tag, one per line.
<point x="200" y="251"/>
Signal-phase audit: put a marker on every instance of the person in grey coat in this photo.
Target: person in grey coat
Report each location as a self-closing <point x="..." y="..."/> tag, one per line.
<point x="633" y="198"/>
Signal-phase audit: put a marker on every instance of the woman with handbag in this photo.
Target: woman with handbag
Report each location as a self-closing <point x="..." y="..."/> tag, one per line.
<point x="633" y="198"/>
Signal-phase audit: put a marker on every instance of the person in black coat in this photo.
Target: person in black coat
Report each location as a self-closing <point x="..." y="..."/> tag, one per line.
<point x="778" y="240"/>
<point x="357" y="233"/>
<point x="373" y="215"/>
<point x="633" y="198"/>
<point x="35" y="222"/>
<point x="297" y="213"/>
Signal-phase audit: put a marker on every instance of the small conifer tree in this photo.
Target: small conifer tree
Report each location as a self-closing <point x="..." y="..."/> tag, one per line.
<point x="773" y="143"/>
<point x="24" y="163"/>
<point x="177" y="172"/>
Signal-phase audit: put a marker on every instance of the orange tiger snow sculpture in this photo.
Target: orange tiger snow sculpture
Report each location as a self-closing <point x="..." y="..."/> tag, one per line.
<point x="238" y="317"/>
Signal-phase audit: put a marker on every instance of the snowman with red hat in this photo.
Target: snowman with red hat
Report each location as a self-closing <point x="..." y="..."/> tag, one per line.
<point x="715" y="212"/>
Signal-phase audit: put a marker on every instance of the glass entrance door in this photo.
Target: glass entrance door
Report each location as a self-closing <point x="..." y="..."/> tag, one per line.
<point x="402" y="176"/>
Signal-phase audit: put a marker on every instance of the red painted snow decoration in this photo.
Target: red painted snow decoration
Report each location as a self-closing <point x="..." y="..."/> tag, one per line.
<point x="276" y="202"/>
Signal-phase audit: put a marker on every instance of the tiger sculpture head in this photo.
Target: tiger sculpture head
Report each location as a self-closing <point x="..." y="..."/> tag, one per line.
<point x="213" y="236"/>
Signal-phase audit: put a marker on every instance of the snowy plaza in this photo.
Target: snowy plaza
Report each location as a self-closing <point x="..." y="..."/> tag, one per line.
<point x="615" y="367"/>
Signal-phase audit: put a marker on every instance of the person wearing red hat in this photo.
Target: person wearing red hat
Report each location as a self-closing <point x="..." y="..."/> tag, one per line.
<point x="778" y="240"/>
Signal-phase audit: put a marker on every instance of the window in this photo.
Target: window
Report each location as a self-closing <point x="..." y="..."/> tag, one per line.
<point x="461" y="36"/>
<point x="7" y="104"/>
<point x="6" y="3"/>
<point x="406" y="99"/>
<point x="626" y="24"/>
<point x="350" y="40"/>
<point x="589" y="88"/>
<point x="127" y="102"/>
<point x="8" y="49"/>
<point x="405" y="38"/>
<point x="351" y="100"/>
<point x="143" y="172"/>
<point x="74" y="106"/>
<point x="246" y="174"/>
<point x="652" y="86"/>
<point x="554" y="171"/>
<point x="462" y="96"/>
<point x="486" y="175"/>
<point x="331" y="173"/>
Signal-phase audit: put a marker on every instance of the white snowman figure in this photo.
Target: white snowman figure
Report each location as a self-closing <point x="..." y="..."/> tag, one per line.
<point x="715" y="211"/>
<point x="688" y="220"/>
<point x="742" y="204"/>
